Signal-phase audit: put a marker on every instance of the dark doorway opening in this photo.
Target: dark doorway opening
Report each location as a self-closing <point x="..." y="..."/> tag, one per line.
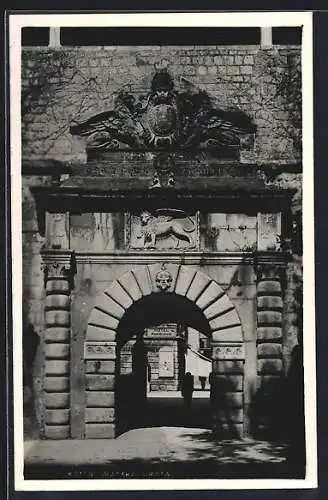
<point x="151" y="365"/>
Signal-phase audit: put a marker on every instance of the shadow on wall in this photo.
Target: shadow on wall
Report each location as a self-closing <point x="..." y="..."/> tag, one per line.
<point x="31" y="343"/>
<point x="226" y="411"/>
<point x="277" y="411"/>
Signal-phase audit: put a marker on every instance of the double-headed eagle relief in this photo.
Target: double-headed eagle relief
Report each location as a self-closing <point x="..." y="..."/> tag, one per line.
<point x="164" y="119"/>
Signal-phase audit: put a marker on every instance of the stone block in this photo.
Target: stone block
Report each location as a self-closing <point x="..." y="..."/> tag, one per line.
<point x="268" y="286"/>
<point x="267" y="302"/>
<point x="154" y="269"/>
<point x="269" y="366"/>
<point x="130" y="284"/>
<point x="108" y="305"/>
<point x="100" y="382"/>
<point x="228" y="430"/>
<point x="58" y="318"/>
<point x="99" y="350"/>
<point x="269" y="318"/>
<point x="269" y="333"/>
<point x="143" y="280"/>
<point x="56" y="400"/>
<point x="100" y="366"/>
<point x="246" y="70"/>
<point x="221" y="305"/>
<point x="197" y="286"/>
<point x="233" y="70"/>
<point x="100" y="399"/>
<point x="56" y="367"/>
<point x="117" y="292"/>
<point x="57" y="301"/>
<point x="98" y="333"/>
<point x="227" y="319"/>
<point x="99" y="415"/>
<point x="229" y="383"/>
<point x="57" y="432"/>
<point x="248" y="60"/>
<point x="230" y="334"/>
<point x="235" y="415"/>
<point x="269" y="384"/>
<point x="100" y="318"/>
<point x="57" y="417"/>
<point x="184" y="280"/>
<point x="228" y="351"/>
<point x="269" y="350"/>
<point x="57" y="351"/>
<point x="227" y="366"/>
<point x="56" y="384"/>
<point x="57" y="334"/>
<point x="100" y="431"/>
<point x="233" y="399"/>
<point x="209" y="295"/>
<point x="55" y="286"/>
<point x="238" y="60"/>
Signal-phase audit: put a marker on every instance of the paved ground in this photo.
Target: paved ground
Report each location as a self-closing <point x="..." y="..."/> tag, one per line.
<point x="167" y="443"/>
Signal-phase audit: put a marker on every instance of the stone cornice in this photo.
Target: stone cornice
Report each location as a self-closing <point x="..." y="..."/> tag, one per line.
<point x="151" y="257"/>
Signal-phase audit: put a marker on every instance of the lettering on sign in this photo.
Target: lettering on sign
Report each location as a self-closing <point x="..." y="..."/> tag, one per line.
<point x="161" y="331"/>
<point x="99" y="350"/>
<point x="229" y="351"/>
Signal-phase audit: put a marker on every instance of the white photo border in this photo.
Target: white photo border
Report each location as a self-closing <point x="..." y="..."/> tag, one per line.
<point x="206" y="19"/>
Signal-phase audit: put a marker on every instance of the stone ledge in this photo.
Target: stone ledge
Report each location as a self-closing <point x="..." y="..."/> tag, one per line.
<point x="100" y="431"/>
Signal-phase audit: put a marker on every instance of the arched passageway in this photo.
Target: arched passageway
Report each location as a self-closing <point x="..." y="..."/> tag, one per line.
<point x="151" y="295"/>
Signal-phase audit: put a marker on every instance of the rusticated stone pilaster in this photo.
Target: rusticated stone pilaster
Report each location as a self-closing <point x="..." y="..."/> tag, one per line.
<point x="227" y="386"/>
<point x="58" y="278"/>
<point x="269" y="349"/>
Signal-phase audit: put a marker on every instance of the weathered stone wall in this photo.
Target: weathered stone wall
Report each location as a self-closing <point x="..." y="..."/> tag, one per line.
<point x="59" y="86"/>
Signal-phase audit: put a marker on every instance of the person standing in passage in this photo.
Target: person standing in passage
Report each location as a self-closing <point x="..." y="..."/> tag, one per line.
<point x="187" y="389"/>
<point x="202" y="382"/>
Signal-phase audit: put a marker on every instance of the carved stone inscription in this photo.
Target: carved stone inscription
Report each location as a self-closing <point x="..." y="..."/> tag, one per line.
<point x="229" y="351"/>
<point x="163" y="229"/>
<point x="99" y="350"/>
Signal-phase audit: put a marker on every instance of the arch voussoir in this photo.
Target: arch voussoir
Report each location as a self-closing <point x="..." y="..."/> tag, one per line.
<point x="106" y="303"/>
<point x="198" y="285"/>
<point x="184" y="280"/>
<point x="210" y="294"/>
<point x="228" y="334"/>
<point x="221" y="305"/>
<point x="103" y="319"/>
<point x="130" y="285"/>
<point x="227" y="319"/>
<point x="143" y="279"/>
<point x="117" y="292"/>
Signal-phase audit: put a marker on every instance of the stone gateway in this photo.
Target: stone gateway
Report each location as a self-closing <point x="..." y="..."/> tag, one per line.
<point x="168" y="245"/>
